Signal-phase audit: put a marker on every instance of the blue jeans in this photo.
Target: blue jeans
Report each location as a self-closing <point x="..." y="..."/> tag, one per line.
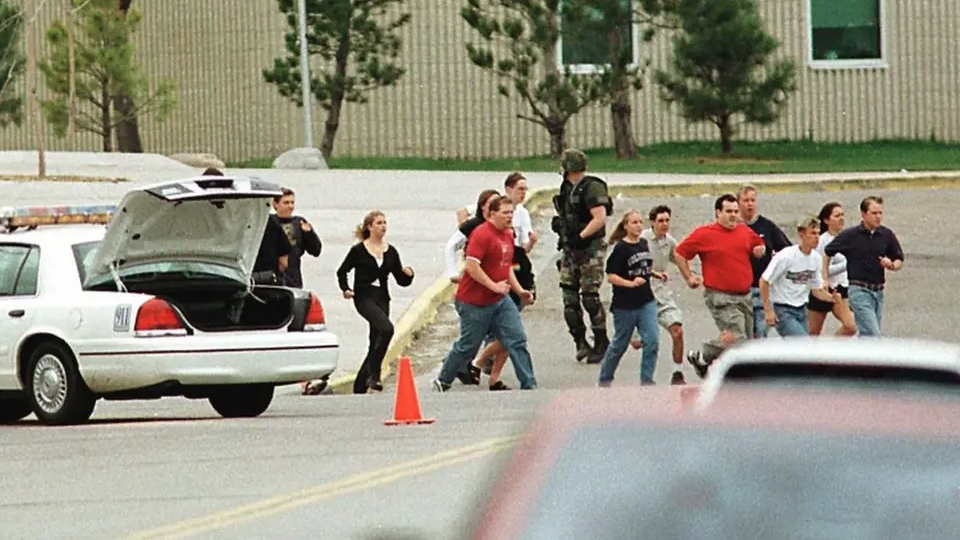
<point x="644" y="320"/>
<point x="791" y="321"/>
<point x="760" y="327"/>
<point x="867" y="307"/>
<point x="502" y="319"/>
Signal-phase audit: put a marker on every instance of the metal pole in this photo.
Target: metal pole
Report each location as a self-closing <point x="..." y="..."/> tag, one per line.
<point x="305" y="77"/>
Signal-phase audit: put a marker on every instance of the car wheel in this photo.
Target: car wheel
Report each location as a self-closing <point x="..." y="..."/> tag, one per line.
<point x="57" y="393"/>
<point x="14" y="410"/>
<point x="242" y="401"/>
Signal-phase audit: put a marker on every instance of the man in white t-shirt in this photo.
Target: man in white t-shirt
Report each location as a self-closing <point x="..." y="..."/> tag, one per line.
<point x="515" y="187"/>
<point x="792" y="275"/>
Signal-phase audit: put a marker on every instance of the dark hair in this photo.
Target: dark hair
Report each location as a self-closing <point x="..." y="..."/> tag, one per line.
<point x="513" y="179"/>
<point x="659" y="209"/>
<point x="726" y="197"/>
<point x="212" y="172"/>
<point x="484" y="195"/>
<point x="825" y="214"/>
<point x="865" y="203"/>
<point x="498" y="202"/>
<point x="287" y="192"/>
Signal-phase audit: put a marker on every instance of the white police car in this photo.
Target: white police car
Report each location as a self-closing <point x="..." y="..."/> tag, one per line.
<point x="160" y="302"/>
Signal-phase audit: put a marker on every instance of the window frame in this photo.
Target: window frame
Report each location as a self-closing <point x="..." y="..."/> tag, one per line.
<point x="854" y="63"/>
<point x="16" y="283"/>
<point x="590" y="69"/>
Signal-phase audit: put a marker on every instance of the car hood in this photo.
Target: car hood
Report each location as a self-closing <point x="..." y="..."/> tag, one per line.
<point x="218" y="226"/>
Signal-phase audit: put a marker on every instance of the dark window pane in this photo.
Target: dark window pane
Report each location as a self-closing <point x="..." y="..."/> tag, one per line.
<point x="848" y="30"/>
<point x="11" y="260"/>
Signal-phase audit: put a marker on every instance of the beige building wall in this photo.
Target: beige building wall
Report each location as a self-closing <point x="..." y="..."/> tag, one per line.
<point x="446" y="108"/>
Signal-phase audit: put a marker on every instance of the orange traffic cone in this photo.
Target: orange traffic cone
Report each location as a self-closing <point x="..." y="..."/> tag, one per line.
<point x="406" y="408"/>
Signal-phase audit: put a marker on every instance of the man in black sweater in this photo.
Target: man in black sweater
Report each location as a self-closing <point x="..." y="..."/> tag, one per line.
<point x="299" y="233"/>
<point x="775" y="240"/>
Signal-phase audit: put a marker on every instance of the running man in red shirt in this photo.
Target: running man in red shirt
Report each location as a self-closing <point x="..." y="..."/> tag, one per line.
<point x="724" y="248"/>
<point x="482" y="301"/>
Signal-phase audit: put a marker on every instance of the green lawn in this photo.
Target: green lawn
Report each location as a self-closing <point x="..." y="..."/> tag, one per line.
<point x="700" y="157"/>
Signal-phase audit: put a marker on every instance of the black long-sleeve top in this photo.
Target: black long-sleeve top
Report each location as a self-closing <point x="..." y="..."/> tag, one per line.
<point x="366" y="271"/>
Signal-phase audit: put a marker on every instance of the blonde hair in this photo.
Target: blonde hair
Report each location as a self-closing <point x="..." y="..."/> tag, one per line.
<point x="621" y="229"/>
<point x="362" y="232"/>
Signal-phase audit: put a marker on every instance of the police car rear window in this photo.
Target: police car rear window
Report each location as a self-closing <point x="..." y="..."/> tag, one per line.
<point x="888" y="378"/>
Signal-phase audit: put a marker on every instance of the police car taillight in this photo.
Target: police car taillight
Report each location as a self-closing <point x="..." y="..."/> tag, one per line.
<point x="316" y="319"/>
<point x="156" y="318"/>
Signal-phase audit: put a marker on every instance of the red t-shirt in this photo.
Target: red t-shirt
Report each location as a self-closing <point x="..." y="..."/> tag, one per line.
<point x="724" y="255"/>
<point x="493" y="249"/>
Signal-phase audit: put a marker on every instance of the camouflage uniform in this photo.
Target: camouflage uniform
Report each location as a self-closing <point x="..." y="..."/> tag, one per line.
<point x="581" y="266"/>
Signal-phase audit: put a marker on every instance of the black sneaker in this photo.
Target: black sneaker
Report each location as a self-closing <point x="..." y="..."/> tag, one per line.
<point x="583" y="350"/>
<point x="677" y="378"/>
<point x="499" y="386"/>
<point x="439" y="385"/>
<point x="471" y="377"/>
<point x="696" y="360"/>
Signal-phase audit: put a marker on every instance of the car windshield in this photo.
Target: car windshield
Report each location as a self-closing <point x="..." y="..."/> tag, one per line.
<point x="627" y="481"/>
<point x="899" y="379"/>
<point x="85" y="253"/>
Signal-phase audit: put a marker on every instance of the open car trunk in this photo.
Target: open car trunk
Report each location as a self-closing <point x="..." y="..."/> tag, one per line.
<point x="223" y="307"/>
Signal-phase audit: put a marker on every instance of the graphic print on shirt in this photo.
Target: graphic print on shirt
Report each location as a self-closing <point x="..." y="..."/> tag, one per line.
<point x="290" y="230"/>
<point x="803" y="277"/>
<point x="640" y="265"/>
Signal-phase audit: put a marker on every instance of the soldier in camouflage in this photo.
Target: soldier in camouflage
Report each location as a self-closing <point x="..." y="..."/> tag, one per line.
<point x="582" y="205"/>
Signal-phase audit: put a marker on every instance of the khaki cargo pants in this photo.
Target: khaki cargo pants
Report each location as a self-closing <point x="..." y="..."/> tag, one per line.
<point x="733" y="312"/>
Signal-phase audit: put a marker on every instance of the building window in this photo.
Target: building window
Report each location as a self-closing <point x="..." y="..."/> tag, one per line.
<point x="846" y="32"/>
<point x="583" y="51"/>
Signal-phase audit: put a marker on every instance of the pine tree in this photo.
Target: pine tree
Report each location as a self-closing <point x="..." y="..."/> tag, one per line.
<point x="11" y="64"/>
<point x="722" y="68"/>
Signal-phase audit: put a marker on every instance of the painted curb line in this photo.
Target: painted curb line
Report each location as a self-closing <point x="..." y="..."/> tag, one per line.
<point x="424" y="308"/>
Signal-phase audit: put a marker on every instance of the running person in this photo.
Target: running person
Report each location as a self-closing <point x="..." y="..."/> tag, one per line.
<point x="773" y="238"/>
<point x="662" y="244"/>
<point x="373" y="261"/>
<point x="832" y="221"/>
<point x="629" y="269"/>
<point x="792" y="275"/>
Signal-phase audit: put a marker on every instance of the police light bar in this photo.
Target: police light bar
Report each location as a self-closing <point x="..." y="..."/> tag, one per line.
<point x="32" y="216"/>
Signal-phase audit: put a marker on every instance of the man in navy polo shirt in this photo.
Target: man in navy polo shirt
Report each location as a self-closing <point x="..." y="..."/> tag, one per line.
<point x="871" y="249"/>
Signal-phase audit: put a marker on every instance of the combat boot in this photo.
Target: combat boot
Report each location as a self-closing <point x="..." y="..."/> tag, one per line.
<point x="600" y="344"/>
<point x="583" y="348"/>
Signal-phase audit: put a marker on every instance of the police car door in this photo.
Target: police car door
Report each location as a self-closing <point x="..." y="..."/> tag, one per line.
<point x="19" y="269"/>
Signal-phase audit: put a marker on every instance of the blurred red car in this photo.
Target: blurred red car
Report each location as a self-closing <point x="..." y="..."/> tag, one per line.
<point x="622" y="464"/>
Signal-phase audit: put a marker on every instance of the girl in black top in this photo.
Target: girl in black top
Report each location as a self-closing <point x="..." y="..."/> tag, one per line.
<point x="629" y="270"/>
<point x="373" y="261"/>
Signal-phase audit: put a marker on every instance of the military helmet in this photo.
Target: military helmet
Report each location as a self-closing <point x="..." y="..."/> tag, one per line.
<point x="573" y="161"/>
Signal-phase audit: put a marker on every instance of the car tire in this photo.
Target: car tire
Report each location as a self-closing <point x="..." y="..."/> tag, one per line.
<point x="55" y="389"/>
<point x="242" y="401"/>
<point x="14" y="410"/>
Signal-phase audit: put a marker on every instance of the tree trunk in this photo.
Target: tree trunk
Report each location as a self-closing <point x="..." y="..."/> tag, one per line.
<point x="128" y="127"/>
<point x="726" y="135"/>
<point x="558" y="138"/>
<point x="620" y="108"/>
<point x="106" y="122"/>
<point x="620" y="113"/>
<point x="332" y="123"/>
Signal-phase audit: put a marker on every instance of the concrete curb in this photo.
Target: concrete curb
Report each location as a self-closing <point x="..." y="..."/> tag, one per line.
<point x="423" y="310"/>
